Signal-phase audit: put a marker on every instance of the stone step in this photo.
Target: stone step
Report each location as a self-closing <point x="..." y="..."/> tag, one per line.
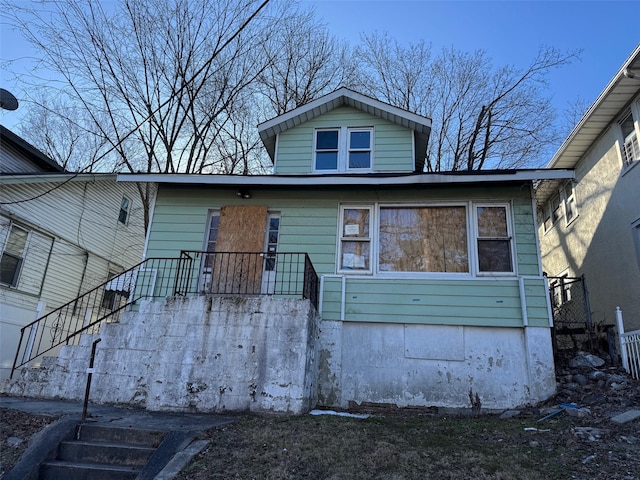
<point x="120" y="435"/>
<point x="104" y="453"/>
<point x="61" y="470"/>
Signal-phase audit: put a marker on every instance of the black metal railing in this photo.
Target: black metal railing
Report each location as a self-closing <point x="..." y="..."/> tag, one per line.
<point x="192" y="273"/>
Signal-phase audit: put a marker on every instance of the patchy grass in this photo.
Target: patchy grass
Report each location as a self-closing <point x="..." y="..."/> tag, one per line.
<point x="394" y="447"/>
<point x="16" y="428"/>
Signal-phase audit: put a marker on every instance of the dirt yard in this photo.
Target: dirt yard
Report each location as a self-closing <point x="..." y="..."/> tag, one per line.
<point x="581" y="442"/>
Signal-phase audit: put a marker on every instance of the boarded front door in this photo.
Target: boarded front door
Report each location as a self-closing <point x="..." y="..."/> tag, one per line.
<point x="241" y="233"/>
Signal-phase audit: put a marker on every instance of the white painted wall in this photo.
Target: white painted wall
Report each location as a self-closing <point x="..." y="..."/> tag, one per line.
<point x="203" y="354"/>
<point x="431" y="365"/>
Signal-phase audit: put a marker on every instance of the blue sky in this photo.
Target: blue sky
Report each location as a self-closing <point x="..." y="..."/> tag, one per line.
<point x="510" y="32"/>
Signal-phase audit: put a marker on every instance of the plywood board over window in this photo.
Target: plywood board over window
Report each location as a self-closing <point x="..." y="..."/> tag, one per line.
<point x="242" y="231"/>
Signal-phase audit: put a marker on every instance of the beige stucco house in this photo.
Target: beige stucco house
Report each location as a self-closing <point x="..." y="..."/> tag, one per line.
<point x="591" y="226"/>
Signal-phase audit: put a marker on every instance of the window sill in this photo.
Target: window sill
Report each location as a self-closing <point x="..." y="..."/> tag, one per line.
<point x="628" y="167"/>
<point x="568" y="224"/>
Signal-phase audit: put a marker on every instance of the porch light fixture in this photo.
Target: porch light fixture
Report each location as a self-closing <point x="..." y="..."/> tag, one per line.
<point x="244" y="194"/>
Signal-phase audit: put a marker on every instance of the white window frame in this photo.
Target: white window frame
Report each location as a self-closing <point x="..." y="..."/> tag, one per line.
<point x="126" y="210"/>
<point x="564" y="204"/>
<point x="630" y="143"/>
<point x="342" y="238"/>
<point x="20" y="256"/>
<point x="509" y="238"/>
<point x="472" y="237"/>
<point x="344" y="148"/>
<point x="635" y="231"/>
<point x="205" y="272"/>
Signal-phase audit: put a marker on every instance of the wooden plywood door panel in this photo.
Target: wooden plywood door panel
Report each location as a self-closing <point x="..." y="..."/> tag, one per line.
<point x="241" y="231"/>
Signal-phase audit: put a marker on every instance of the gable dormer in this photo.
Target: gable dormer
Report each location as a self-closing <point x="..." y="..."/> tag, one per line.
<point x="346" y="132"/>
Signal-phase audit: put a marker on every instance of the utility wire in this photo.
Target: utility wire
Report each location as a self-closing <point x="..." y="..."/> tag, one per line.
<point x="155" y="111"/>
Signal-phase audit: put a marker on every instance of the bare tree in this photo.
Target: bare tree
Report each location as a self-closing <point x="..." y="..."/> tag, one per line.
<point x="397" y="75"/>
<point x="305" y="62"/>
<point x="156" y="79"/>
<point x="483" y="117"/>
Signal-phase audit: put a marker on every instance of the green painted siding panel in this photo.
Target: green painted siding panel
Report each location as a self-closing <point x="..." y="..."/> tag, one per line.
<point x="309" y="223"/>
<point x="392" y="148"/>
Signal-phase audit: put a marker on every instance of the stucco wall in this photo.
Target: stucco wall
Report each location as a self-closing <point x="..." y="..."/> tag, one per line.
<point x="199" y="354"/>
<point x="599" y="242"/>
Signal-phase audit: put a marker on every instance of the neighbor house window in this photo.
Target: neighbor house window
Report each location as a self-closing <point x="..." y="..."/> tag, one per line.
<point x="561" y="289"/>
<point x="123" y="216"/>
<point x="343" y="149"/>
<point x="494" y="239"/>
<point x="630" y="145"/>
<point x="423" y="239"/>
<point x="562" y="204"/>
<point x="355" y="239"/>
<point x="12" y="256"/>
<point x="635" y="229"/>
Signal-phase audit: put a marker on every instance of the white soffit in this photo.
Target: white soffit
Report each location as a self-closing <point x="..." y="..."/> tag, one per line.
<point x="615" y="97"/>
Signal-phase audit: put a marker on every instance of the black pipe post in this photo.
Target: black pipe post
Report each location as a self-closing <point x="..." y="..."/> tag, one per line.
<point x="89" y="375"/>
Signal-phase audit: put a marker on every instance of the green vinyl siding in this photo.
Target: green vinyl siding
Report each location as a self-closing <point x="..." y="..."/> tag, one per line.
<point x="309" y="223"/>
<point x="392" y="144"/>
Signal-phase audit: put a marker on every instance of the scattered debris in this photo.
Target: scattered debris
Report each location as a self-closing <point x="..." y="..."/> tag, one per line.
<point x="339" y="414"/>
<point x="588" y="459"/>
<point x="509" y="414"/>
<point x="625" y="417"/>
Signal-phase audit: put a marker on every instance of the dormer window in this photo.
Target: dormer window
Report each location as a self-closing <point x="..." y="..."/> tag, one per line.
<point x="343" y="149"/>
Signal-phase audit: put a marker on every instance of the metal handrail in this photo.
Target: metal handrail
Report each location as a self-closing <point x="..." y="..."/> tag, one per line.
<point x="192" y="273"/>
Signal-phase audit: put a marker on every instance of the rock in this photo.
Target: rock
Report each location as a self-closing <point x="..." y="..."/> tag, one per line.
<point x="629" y="439"/>
<point x="593" y="399"/>
<point x="626" y="417"/>
<point x="580" y="379"/>
<point x="617" y="386"/>
<point x="572" y="386"/>
<point x="615" y="378"/>
<point x="534" y="444"/>
<point x="578" y="412"/>
<point x="13" y="441"/>
<point x="509" y="414"/>
<point x="583" y="359"/>
<point x="597" y="375"/>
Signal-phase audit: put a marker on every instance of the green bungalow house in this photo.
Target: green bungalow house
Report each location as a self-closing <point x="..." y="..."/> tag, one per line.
<point x="346" y="277"/>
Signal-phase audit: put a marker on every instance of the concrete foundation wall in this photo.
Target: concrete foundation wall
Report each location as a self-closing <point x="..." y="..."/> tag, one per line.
<point x="429" y="365"/>
<point x="194" y="354"/>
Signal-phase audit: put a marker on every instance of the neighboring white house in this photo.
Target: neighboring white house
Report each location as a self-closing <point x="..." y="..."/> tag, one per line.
<point x="591" y="226"/>
<point x="61" y="234"/>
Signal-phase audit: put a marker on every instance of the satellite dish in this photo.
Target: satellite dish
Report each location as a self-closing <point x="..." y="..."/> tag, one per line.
<point x="7" y="100"/>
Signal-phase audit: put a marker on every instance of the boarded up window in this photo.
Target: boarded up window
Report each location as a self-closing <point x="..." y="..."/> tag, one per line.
<point x="423" y="239"/>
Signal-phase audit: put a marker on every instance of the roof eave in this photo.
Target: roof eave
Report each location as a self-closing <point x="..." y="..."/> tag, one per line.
<point x="346" y="180"/>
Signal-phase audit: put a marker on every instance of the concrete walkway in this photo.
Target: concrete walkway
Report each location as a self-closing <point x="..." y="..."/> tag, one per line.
<point x="119" y="416"/>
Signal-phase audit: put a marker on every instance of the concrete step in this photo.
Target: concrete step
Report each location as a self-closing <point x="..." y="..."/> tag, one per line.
<point x="98" y="452"/>
<point x="61" y="470"/>
<point x="119" y="435"/>
<point x="105" y="453"/>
